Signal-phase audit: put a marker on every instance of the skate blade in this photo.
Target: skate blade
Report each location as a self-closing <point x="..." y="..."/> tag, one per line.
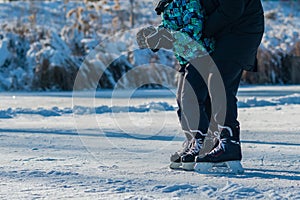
<point x="175" y="165"/>
<point x="229" y="167"/>
<point x="188" y="166"/>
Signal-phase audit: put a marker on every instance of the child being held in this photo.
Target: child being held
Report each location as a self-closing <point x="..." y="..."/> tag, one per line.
<point x="181" y="30"/>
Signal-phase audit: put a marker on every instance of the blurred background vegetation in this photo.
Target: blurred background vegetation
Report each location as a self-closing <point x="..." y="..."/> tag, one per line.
<point x="43" y="45"/>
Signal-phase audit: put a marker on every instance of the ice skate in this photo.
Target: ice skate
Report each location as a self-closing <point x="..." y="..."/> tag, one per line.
<point x="201" y="146"/>
<point x="176" y="157"/>
<point x="188" y="159"/>
<point x="225" y="158"/>
<point x="206" y="146"/>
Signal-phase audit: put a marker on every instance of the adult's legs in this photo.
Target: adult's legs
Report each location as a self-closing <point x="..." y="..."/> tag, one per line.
<point x="224" y="108"/>
<point x="225" y="111"/>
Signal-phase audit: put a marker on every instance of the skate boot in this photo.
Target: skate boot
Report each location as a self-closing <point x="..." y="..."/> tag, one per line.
<point x="188" y="159"/>
<point x="225" y="157"/>
<point x="176" y="157"/>
<point x="211" y="141"/>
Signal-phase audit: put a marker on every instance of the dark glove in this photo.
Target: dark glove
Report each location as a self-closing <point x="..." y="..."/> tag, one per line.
<point x="143" y="34"/>
<point x="160" y="39"/>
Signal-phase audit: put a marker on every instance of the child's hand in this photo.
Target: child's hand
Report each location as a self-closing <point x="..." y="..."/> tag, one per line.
<point x="143" y="34"/>
<point x="160" y="39"/>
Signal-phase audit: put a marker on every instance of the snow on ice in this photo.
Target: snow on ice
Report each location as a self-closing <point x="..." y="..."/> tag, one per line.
<point x="148" y="107"/>
<point x="119" y="148"/>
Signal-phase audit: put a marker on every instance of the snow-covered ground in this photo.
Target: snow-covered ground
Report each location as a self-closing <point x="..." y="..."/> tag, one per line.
<point x="118" y="148"/>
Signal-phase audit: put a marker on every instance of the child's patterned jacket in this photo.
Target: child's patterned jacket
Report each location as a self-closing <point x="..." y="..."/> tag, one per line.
<point x="184" y="19"/>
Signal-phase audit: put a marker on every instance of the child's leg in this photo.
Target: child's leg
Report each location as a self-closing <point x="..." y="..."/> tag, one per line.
<point x="193" y="101"/>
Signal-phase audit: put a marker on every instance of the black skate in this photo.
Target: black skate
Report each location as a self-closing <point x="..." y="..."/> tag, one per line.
<point x="188" y="159"/>
<point x="225" y="157"/>
<point x="204" y="144"/>
<point x="176" y="157"/>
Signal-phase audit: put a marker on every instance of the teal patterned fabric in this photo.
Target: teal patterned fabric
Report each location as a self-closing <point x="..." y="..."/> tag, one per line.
<point x="184" y="18"/>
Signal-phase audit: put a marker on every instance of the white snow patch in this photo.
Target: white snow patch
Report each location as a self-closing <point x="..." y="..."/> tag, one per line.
<point x="147" y="107"/>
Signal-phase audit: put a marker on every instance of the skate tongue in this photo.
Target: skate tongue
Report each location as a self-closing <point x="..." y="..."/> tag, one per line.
<point x="225" y="131"/>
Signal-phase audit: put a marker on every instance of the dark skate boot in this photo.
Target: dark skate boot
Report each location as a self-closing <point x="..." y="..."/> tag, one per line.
<point x="227" y="155"/>
<point x="188" y="159"/>
<point x="176" y="157"/>
<point x="211" y="141"/>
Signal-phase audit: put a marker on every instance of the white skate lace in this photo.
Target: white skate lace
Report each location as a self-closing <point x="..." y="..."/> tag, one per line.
<point x="185" y="146"/>
<point x="217" y="135"/>
<point x="185" y="143"/>
<point x="196" y="146"/>
<point x="220" y="147"/>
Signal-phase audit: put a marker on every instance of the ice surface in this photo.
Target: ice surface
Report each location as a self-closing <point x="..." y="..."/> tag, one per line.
<point x="48" y="152"/>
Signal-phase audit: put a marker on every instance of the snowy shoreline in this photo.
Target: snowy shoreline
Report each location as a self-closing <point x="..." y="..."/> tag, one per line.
<point x="255" y="96"/>
<point x="39" y="56"/>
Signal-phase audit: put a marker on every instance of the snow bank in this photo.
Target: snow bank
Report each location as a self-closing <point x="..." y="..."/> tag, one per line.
<point x="43" y="44"/>
<point x="282" y="26"/>
<point x="256" y="102"/>
<point x="82" y="110"/>
<point x="279" y="55"/>
<point x="148" y="107"/>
